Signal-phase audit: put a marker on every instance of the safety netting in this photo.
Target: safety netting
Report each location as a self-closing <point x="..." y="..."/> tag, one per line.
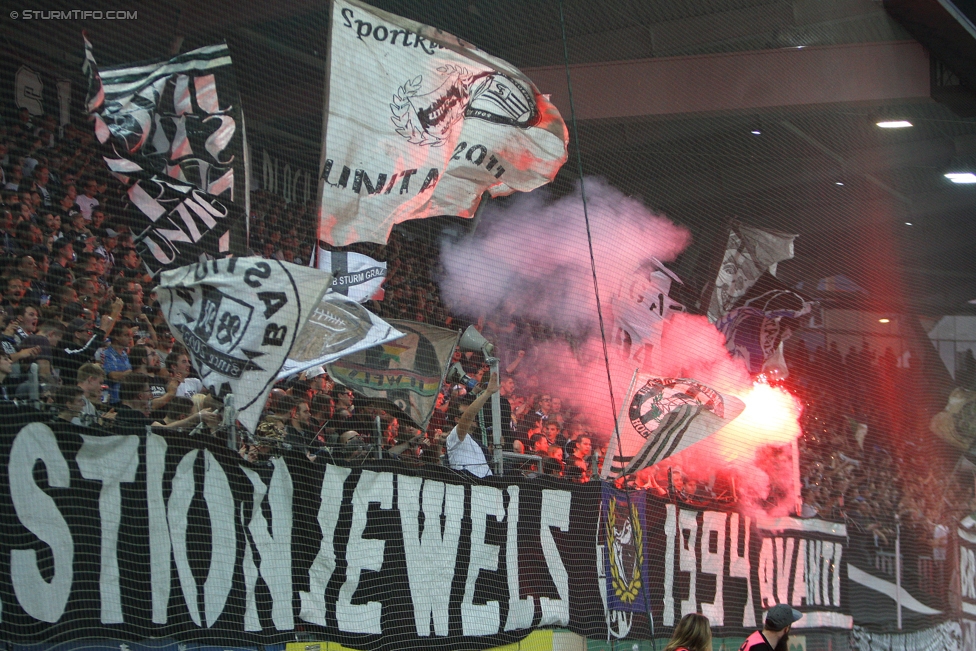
<point x="441" y="325"/>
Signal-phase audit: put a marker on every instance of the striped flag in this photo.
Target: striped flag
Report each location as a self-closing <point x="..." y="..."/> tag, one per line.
<point x="663" y="417"/>
<point x="172" y="132"/>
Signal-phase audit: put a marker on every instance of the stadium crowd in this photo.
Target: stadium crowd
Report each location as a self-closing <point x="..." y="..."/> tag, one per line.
<point x="78" y="307"/>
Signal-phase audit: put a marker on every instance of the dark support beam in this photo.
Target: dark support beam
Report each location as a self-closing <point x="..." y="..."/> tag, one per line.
<point x="863" y="72"/>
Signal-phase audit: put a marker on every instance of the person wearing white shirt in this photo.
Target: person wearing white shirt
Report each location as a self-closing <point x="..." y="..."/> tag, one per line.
<point x="463" y="452"/>
<point x="87" y="201"/>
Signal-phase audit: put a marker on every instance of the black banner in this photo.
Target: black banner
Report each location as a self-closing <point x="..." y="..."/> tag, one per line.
<point x="134" y="536"/>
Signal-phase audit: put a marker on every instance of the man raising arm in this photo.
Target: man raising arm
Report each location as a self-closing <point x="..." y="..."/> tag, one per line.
<point x="463" y="453"/>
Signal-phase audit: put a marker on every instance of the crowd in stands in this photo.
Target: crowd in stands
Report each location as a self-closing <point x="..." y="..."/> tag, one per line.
<point x="78" y="306"/>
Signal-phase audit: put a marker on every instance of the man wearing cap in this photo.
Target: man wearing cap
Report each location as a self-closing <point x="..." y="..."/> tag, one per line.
<point x="775" y="632"/>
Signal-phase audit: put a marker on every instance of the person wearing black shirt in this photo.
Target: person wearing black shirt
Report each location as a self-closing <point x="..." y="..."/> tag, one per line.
<point x="132" y="411"/>
<point x="80" y="343"/>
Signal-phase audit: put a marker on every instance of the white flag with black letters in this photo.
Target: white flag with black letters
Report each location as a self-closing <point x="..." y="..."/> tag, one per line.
<point x="420" y="124"/>
<point x="239" y="319"/>
<point x="355" y="275"/>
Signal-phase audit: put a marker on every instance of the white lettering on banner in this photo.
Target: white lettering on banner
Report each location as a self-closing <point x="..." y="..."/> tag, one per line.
<point x="967" y="572"/>
<point x="520" y="611"/>
<point x="827" y="558"/>
<point x="431" y="515"/>
<point x="223" y="535"/>
<point x="670" y="530"/>
<point x="432" y="556"/>
<point x="814" y="551"/>
<point x="159" y="546"/>
<point x="252" y="623"/>
<point x="767" y="575"/>
<point x="800" y="576"/>
<point x="739" y="565"/>
<point x="320" y="573"/>
<point x="181" y="494"/>
<point x="556" y="507"/>
<point x="110" y="460"/>
<point x="688" y="559"/>
<point x="481" y="619"/>
<point x="274" y="547"/>
<point x="363" y="554"/>
<point x="220" y="510"/>
<point x="713" y="528"/>
<point x="39" y="514"/>
<point x="784" y="563"/>
<point x="838" y="552"/>
<point x="814" y="571"/>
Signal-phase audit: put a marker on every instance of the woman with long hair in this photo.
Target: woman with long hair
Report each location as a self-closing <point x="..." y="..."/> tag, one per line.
<point x="692" y="633"/>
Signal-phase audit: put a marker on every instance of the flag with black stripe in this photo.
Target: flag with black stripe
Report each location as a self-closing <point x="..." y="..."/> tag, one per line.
<point x="663" y="417"/>
<point x="172" y="133"/>
<point x="354" y="275"/>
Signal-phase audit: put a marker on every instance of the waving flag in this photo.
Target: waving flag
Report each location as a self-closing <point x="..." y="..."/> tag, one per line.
<point x="239" y="319"/>
<point x="338" y="326"/>
<point x="420" y="123"/>
<point x="749" y="252"/>
<point x="174" y="136"/>
<point x="355" y="275"/>
<point x="407" y="371"/>
<point x="664" y="416"/>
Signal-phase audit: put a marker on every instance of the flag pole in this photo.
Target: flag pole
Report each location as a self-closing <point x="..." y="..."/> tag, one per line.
<point x="798" y="493"/>
<point x="615" y="439"/>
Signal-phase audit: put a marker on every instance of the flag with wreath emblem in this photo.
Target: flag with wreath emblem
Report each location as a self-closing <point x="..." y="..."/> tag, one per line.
<point x="625" y="563"/>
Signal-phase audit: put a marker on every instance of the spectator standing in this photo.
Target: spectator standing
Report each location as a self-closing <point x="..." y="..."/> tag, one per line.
<point x="177" y="366"/>
<point x="463" y="452"/>
<point x="90" y="378"/>
<point x="70" y="401"/>
<point x="83" y="339"/>
<point x="116" y="362"/>
<point x="86" y="202"/>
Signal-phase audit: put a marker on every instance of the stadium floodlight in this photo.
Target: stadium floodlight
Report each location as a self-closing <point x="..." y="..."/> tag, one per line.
<point x="962" y="178"/>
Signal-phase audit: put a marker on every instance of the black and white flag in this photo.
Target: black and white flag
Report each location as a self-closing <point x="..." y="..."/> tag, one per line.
<point x="663" y="417"/>
<point x="239" y="319"/>
<point x="173" y="132"/>
<point x="336" y="327"/>
<point x="748" y="253"/>
<point x="420" y="124"/>
<point x="355" y="275"/>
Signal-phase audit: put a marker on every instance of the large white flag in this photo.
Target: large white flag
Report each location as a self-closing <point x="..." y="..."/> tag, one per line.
<point x="239" y="318"/>
<point x="664" y="416"/>
<point x="338" y="326"/>
<point x="355" y="275"/>
<point x="420" y="123"/>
